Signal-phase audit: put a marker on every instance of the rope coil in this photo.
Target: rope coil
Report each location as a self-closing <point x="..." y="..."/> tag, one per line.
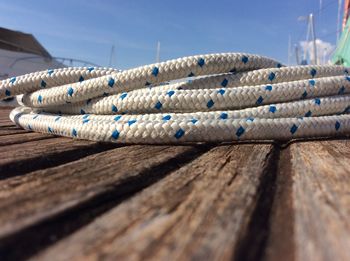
<point x="230" y="96"/>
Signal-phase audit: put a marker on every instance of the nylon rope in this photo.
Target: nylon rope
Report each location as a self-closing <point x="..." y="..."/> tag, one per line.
<point x="203" y="98"/>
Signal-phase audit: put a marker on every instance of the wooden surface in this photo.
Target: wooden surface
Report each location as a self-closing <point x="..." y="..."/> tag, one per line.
<point x="64" y="199"/>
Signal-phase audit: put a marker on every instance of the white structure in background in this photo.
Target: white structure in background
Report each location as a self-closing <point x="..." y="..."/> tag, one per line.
<point x="21" y="53"/>
<point x="324" y="51"/>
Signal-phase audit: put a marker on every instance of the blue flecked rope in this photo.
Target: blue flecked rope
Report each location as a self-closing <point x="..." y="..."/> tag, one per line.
<point x="240" y="97"/>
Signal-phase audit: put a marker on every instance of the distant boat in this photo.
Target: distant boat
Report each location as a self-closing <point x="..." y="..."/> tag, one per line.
<point x="342" y="52"/>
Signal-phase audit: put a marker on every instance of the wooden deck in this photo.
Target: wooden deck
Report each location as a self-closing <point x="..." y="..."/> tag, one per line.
<point x="63" y="199"/>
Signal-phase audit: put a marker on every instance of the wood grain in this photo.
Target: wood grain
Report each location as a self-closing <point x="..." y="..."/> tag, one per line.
<point x="321" y="199"/>
<point x="6" y="123"/>
<point x="4" y="112"/>
<point x="200" y="211"/>
<point x="23" y="137"/>
<point x="21" y="158"/>
<point x="11" y="130"/>
<point x="310" y="217"/>
<point x="41" y="195"/>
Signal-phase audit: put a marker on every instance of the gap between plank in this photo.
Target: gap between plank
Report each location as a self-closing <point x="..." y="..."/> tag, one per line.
<point x="254" y="237"/>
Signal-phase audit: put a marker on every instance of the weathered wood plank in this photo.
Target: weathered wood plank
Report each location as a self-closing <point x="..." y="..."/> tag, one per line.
<point x="10" y="130"/>
<point x="29" y="199"/>
<point x="316" y="206"/>
<point x="4" y="115"/>
<point x="23" y="137"/>
<point x="6" y="123"/>
<point x="200" y="211"/>
<point x="5" y="111"/>
<point x="17" y="159"/>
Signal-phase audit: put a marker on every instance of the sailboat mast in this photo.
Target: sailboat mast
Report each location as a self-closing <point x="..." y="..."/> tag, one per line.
<point x="313" y="35"/>
<point x="158" y="53"/>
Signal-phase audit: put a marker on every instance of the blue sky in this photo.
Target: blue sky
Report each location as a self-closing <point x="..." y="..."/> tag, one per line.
<point x="86" y="29"/>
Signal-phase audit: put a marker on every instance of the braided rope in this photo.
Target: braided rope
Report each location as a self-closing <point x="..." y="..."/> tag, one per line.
<point x="230" y="96"/>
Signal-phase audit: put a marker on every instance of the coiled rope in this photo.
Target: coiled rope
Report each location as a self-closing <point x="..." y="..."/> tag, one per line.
<point x="238" y="97"/>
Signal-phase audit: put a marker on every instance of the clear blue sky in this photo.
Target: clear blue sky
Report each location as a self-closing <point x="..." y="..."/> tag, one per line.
<point x="86" y="29"/>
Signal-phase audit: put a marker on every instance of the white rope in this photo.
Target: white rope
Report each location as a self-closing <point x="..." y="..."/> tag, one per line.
<point x="231" y="96"/>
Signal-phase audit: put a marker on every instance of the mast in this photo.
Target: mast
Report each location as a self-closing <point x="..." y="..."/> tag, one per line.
<point x="112" y="57"/>
<point x="313" y="35"/>
<point x="289" y="48"/>
<point x="338" y="20"/>
<point x="307" y="38"/>
<point x="158" y="53"/>
<point x="297" y="54"/>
